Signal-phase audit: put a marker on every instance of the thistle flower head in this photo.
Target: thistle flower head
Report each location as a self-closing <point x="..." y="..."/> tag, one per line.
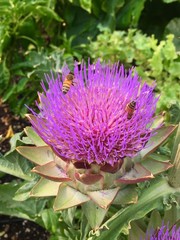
<point x="105" y="116"/>
<point x="164" y="233"/>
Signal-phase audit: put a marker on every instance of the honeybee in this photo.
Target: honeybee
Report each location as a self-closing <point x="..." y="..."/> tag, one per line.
<point x="68" y="81"/>
<point x="130" y="108"/>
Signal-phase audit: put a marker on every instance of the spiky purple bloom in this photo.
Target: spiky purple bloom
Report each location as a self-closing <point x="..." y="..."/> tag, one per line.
<point x="164" y="233"/>
<point x="90" y="122"/>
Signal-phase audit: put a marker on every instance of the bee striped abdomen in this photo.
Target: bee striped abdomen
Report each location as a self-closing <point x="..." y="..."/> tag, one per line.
<point x="67" y="83"/>
<point x="130" y="108"/>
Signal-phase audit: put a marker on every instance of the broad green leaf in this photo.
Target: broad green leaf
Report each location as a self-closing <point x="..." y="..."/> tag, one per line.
<point x="161" y="135"/>
<point x="94" y="214"/>
<point x="127" y="195"/>
<point x="34" y="137"/>
<point x="50" y="220"/>
<point x="16" y="165"/>
<point x="68" y="197"/>
<point x="23" y="193"/>
<point x="39" y="155"/>
<point x="29" y="209"/>
<point x="150" y="199"/>
<point x="45" y="188"/>
<point x="103" y="198"/>
<point x="52" y="172"/>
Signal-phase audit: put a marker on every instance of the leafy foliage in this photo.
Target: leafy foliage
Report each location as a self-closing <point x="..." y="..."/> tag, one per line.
<point x="38" y="36"/>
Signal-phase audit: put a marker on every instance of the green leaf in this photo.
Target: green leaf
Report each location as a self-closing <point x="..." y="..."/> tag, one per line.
<point x="50" y="220"/>
<point x="94" y="214"/>
<point x="150" y="199"/>
<point x="23" y="193"/>
<point x="39" y="155"/>
<point x="68" y="197"/>
<point x="161" y="135"/>
<point x="86" y="5"/>
<point x="45" y="188"/>
<point x="34" y="137"/>
<point x="29" y="209"/>
<point x="16" y="165"/>
<point x="103" y="198"/>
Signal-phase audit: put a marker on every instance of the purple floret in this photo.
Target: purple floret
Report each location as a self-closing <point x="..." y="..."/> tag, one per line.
<point x="164" y="233"/>
<point x="89" y="123"/>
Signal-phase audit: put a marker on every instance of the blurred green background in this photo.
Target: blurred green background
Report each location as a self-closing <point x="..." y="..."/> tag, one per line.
<point x="37" y="36"/>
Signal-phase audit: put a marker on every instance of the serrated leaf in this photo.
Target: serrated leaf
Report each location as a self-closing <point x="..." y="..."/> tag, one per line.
<point x="94" y="214"/>
<point x="103" y="198"/>
<point x="38" y="155"/>
<point x="68" y="197"/>
<point x="150" y="199"/>
<point x="137" y="174"/>
<point x="34" y="137"/>
<point x="161" y="135"/>
<point x="127" y="195"/>
<point x="52" y="172"/>
<point x="45" y="188"/>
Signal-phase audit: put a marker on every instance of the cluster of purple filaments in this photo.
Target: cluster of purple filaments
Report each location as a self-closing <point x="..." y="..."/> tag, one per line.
<point x="165" y="233"/>
<point x="89" y="123"/>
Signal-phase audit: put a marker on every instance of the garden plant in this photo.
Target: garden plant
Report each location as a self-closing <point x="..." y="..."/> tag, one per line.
<point x="97" y="83"/>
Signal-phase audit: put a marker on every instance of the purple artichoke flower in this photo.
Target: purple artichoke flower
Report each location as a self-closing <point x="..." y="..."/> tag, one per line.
<point x="94" y="122"/>
<point x="164" y="233"/>
<point x="91" y="124"/>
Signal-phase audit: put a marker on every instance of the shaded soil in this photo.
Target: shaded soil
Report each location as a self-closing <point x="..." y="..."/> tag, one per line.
<point x="19" y="229"/>
<point x="12" y="228"/>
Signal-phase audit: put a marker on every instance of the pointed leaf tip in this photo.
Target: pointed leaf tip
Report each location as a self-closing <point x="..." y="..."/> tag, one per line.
<point x="104" y="198"/>
<point x="68" y="197"/>
<point x="52" y="172"/>
<point x="137" y="174"/>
